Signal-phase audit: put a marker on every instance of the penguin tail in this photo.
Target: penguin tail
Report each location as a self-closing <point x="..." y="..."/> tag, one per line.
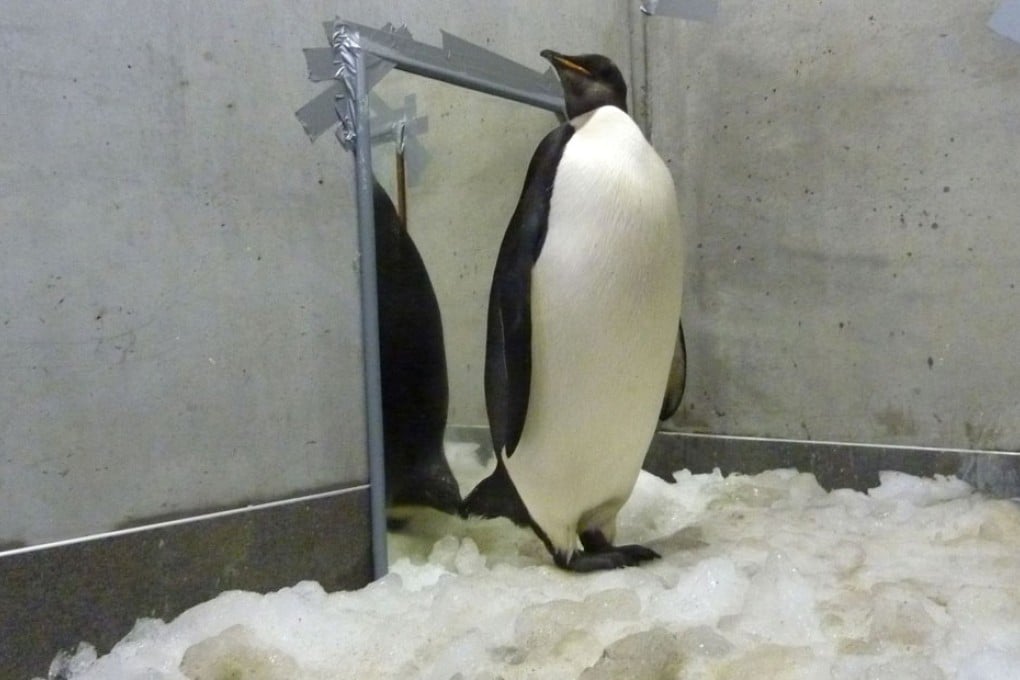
<point x="496" y="496"/>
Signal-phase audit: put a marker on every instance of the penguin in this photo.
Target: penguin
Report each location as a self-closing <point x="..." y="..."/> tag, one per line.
<point x="584" y="345"/>
<point x="415" y="390"/>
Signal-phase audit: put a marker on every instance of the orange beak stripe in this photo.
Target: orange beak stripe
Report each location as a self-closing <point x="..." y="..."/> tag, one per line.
<point x="574" y="66"/>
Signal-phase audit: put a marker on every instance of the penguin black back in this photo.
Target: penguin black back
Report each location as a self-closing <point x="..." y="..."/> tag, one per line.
<point x="415" y="391"/>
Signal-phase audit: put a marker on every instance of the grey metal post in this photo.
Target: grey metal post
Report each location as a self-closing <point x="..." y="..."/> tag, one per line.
<point x="370" y="317"/>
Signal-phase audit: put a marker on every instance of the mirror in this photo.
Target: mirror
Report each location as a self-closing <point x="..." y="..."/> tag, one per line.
<point x="462" y="177"/>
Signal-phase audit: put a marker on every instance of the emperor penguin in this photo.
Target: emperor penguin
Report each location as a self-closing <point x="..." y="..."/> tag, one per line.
<point x="415" y="390"/>
<point x="584" y="347"/>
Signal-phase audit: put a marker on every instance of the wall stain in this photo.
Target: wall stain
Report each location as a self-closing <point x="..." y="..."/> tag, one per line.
<point x="897" y="422"/>
<point x="982" y="436"/>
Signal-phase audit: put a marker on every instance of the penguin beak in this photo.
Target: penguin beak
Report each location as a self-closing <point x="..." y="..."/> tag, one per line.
<point x="560" y="61"/>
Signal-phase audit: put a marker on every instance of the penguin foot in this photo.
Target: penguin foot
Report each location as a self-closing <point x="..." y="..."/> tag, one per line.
<point x="429" y="484"/>
<point x="600" y="554"/>
<point x="595" y="541"/>
<point x="396" y="523"/>
<point x="637" y="553"/>
<point x="615" y="557"/>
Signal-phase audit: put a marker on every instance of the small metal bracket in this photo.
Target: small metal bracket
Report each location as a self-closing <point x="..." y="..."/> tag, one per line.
<point x="401" y="126"/>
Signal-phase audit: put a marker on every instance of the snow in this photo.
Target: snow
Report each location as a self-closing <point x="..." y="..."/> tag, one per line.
<point x="764" y="576"/>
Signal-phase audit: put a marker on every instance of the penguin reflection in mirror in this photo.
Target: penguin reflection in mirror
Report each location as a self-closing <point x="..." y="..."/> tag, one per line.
<point x="584" y="347"/>
<point x="415" y="392"/>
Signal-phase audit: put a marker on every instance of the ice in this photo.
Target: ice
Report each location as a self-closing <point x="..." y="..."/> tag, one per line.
<point x="780" y="604"/>
<point x="905" y="668"/>
<point x="762" y="576"/>
<point x="709" y="590"/>
<point x="704" y="641"/>
<point x="237" y="653"/>
<point x="68" y="664"/>
<point x="904" y="488"/>
<point x="561" y="627"/>
<point x="899" y="616"/>
<point x="649" y="655"/>
<point x="776" y="662"/>
<point x="457" y="556"/>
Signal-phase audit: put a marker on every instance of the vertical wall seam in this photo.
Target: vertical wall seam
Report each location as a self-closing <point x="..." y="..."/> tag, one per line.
<point x="639" y="85"/>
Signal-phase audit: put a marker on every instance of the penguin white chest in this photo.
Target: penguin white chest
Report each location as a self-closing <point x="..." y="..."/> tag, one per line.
<point x="605" y="304"/>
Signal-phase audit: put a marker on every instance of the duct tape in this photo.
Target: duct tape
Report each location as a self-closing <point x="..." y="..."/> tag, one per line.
<point x="337" y="63"/>
<point x="692" y="10"/>
<point x="320" y="114"/>
<point x="1006" y="20"/>
<point x="345" y="41"/>
<point x="320" y="63"/>
<point x="375" y="67"/>
<point x="388" y="118"/>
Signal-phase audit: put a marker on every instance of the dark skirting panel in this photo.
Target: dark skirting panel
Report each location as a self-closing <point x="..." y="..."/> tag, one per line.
<point x="836" y="465"/>
<point x="93" y="590"/>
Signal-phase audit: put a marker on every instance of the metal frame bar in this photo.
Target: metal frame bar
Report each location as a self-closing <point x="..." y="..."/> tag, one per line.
<point x="461" y="69"/>
<point x="370" y="316"/>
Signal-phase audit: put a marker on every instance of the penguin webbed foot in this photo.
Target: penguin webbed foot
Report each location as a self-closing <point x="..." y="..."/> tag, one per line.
<point x="615" y="558"/>
<point x="396" y="523"/>
<point x="599" y="554"/>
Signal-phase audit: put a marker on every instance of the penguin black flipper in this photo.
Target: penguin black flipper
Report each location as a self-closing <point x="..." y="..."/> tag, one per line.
<point x="415" y="391"/>
<point x="508" y="340"/>
<point x="677" y="377"/>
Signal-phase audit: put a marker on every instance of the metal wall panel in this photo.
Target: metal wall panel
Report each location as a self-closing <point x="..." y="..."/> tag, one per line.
<point x="94" y="590"/>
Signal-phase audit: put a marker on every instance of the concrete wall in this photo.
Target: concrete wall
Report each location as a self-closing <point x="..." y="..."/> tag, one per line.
<point x="850" y="171"/>
<point x="178" y="293"/>
<point x="179" y="317"/>
<point x="179" y="305"/>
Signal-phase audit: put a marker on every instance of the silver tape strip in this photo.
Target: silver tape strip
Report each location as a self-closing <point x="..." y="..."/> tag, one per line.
<point x="319" y="114"/>
<point x="692" y="10"/>
<point x="1006" y="20"/>
<point x="346" y="42"/>
<point x="320" y="63"/>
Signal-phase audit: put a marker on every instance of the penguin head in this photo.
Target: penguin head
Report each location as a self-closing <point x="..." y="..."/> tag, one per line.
<point x="589" y="81"/>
